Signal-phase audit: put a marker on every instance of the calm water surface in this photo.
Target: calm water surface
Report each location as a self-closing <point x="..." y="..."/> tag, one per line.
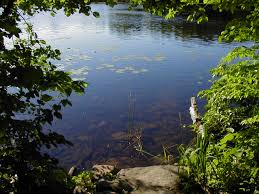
<point x="159" y="63"/>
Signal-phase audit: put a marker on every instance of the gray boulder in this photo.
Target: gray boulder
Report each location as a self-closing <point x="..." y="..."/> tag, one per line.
<point x="161" y="179"/>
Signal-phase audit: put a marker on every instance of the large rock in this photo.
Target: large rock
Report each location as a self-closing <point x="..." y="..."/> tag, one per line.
<point x="161" y="179"/>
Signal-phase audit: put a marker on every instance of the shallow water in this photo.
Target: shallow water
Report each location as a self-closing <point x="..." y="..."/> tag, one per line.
<point x="159" y="63"/>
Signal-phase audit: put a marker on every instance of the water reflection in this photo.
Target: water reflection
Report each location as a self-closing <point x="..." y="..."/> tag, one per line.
<point x="135" y="23"/>
<point x="207" y="32"/>
<point x="162" y="62"/>
<point x="127" y="24"/>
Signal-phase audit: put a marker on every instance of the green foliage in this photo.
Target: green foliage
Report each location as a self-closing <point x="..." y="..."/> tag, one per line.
<point x="84" y="181"/>
<point x="31" y="95"/>
<point x="231" y="156"/>
<point x="33" y="92"/>
<point x="226" y="166"/>
<point x="195" y="160"/>
<point x="233" y="97"/>
<point x="232" y="121"/>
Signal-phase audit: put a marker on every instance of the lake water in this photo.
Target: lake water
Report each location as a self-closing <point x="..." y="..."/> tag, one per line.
<point x="142" y="71"/>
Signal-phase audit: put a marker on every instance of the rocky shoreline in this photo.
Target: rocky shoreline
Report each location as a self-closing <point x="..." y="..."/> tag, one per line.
<point x="159" y="179"/>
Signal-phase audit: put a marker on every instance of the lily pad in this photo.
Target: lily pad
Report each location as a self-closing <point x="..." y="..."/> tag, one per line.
<point x="129" y="68"/>
<point x="135" y="72"/>
<point x="120" y="71"/>
<point x="85" y="57"/>
<point x="68" y="59"/>
<point x="99" y="68"/>
<point x="143" y="70"/>
<point x="159" y="57"/>
<point x="81" y="71"/>
<point x="108" y="65"/>
<point x="78" y="78"/>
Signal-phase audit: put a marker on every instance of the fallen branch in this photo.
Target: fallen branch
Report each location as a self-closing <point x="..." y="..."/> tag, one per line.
<point x="196" y="119"/>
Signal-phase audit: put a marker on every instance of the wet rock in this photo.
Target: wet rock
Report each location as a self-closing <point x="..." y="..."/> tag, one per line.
<point x="117" y="186"/>
<point x="161" y="179"/>
<point x="100" y="171"/>
<point x="152" y="179"/>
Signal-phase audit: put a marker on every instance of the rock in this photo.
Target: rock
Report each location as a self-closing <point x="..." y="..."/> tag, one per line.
<point x="100" y="171"/>
<point x="162" y="179"/>
<point x="80" y="190"/>
<point x="117" y="186"/>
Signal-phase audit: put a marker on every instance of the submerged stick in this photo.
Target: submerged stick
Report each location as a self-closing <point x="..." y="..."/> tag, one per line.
<point x="72" y="171"/>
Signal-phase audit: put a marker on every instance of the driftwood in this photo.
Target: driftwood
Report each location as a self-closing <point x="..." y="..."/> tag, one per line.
<point x="72" y="171"/>
<point x="196" y="119"/>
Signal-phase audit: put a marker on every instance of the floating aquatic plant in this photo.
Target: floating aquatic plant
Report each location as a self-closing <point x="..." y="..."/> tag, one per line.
<point x="108" y="65"/>
<point x="81" y="71"/>
<point x="85" y="57"/>
<point x="78" y="78"/>
<point x="135" y="72"/>
<point x="120" y="70"/>
<point x="99" y="68"/>
<point x="68" y="59"/>
<point x="158" y="57"/>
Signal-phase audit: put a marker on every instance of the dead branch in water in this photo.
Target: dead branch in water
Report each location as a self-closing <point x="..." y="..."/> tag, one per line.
<point x="196" y="119"/>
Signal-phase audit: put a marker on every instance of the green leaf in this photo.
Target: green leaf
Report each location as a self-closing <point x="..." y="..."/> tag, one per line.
<point x="58" y="115"/>
<point x="96" y="14"/>
<point x="228" y="137"/>
<point x="66" y="102"/>
<point x="84" y="84"/>
<point x="46" y="97"/>
<point x="56" y="107"/>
